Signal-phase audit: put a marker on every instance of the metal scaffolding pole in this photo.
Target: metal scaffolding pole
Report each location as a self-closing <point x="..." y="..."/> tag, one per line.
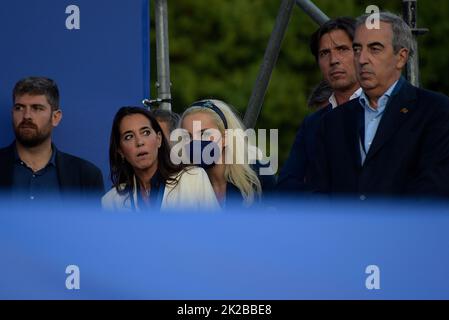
<point x="163" y="83"/>
<point x="272" y="52"/>
<point x="312" y="11"/>
<point x="269" y="61"/>
<point x="410" y="16"/>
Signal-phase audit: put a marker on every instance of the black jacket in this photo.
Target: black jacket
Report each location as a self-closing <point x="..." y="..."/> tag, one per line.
<point x="77" y="177"/>
<point x="296" y="172"/>
<point x="409" y="155"/>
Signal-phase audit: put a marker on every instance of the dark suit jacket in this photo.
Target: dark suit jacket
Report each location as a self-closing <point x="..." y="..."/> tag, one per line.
<point x="296" y="172"/>
<point x="409" y="154"/>
<point x="77" y="177"/>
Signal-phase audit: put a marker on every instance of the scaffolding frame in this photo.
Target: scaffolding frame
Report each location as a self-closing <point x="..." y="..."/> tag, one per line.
<point x="255" y="104"/>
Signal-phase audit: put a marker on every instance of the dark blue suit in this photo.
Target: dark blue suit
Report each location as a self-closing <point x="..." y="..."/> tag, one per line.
<point x="296" y="172"/>
<point x="76" y="177"/>
<point x="409" y="155"/>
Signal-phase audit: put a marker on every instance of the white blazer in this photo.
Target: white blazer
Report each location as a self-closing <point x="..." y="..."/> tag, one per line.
<point x="193" y="191"/>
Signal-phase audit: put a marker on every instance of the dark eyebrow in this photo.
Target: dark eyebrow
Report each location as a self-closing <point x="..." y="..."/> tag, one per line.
<point x="126" y="132"/>
<point x="356" y="44"/>
<point x="342" y="46"/>
<point x="130" y="131"/>
<point x="38" y="105"/>
<point x="33" y="105"/>
<point x="144" y="128"/>
<point x="374" y="44"/>
<point x="323" y="50"/>
<point x="203" y="130"/>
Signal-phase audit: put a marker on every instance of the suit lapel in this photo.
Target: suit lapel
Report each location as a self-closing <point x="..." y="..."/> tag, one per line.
<point x="352" y="126"/>
<point x="63" y="178"/>
<point x="7" y="167"/>
<point x="398" y="110"/>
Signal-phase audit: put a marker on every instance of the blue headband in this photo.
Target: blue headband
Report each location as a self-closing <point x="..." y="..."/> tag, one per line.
<point x="210" y="105"/>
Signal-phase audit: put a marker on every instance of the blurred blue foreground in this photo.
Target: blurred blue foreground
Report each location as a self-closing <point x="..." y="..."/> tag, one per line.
<point x="298" y="250"/>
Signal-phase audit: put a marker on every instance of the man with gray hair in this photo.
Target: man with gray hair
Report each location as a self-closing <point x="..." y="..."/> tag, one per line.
<point x="394" y="139"/>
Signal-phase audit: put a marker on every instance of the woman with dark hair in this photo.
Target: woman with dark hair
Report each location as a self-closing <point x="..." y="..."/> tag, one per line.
<point x="142" y="173"/>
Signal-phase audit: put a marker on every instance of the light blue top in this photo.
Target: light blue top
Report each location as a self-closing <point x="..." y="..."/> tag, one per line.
<point x="372" y="118"/>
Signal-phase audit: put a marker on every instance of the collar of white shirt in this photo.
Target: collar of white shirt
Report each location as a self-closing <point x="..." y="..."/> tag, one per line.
<point x="334" y="103"/>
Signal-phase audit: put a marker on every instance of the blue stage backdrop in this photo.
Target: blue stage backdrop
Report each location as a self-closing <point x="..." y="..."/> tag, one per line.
<point x="293" y="250"/>
<point x="97" y="52"/>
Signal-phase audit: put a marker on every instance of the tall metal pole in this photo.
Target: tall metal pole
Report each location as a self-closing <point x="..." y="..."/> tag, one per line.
<point x="313" y="11"/>
<point x="269" y="61"/>
<point x="410" y="16"/>
<point x="162" y="54"/>
<point x="272" y="53"/>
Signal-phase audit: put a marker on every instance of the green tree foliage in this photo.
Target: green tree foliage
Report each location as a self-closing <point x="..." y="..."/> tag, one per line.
<point x="217" y="46"/>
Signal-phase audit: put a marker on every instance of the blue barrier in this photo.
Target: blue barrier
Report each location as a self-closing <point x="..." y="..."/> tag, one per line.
<point x="298" y="250"/>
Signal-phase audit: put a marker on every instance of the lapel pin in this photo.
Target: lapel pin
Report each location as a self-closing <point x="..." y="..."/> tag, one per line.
<point x="404" y="110"/>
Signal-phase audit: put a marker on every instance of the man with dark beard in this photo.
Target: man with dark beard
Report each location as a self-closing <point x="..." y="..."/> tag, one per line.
<point x="32" y="167"/>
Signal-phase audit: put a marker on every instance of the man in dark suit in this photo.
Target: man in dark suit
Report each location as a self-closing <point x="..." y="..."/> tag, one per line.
<point x="331" y="46"/>
<point x="32" y="168"/>
<point x="394" y="139"/>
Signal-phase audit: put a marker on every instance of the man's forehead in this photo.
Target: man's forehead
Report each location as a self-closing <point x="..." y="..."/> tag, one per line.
<point x="32" y="99"/>
<point x="334" y="38"/>
<point x="381" y="34"/>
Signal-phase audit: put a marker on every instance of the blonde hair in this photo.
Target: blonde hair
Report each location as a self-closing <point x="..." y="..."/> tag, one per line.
<point x="240" y="175"/>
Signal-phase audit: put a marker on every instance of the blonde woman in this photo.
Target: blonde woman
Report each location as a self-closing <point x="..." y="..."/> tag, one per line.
<point x="229" y="178"/>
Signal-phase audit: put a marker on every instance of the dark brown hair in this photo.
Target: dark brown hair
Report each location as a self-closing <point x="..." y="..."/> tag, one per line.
<point x="38" y="86"/>
<point x="320" y="95"/>
<point x="346" y="24"/>
<point x="167" y="116"/>
<point x="121" y="170"/>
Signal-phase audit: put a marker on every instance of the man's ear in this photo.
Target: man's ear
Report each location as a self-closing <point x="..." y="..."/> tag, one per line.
<point x="402" y="58"/>
<point x="56" y="117"/>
